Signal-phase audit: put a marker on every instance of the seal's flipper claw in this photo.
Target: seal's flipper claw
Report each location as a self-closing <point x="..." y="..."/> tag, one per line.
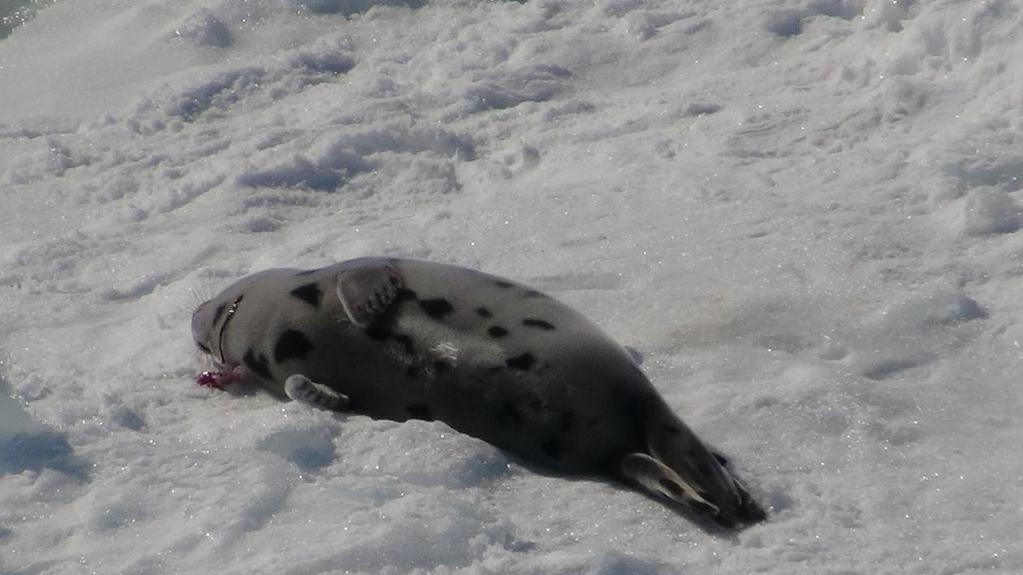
<point x="367" y="288"/>
<point x="304" y="390"/>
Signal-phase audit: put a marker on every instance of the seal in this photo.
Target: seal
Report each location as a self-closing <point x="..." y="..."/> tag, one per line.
<point x="406" y="339"/>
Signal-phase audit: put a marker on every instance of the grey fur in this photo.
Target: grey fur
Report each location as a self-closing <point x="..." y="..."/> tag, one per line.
<point x="402" y="339"/>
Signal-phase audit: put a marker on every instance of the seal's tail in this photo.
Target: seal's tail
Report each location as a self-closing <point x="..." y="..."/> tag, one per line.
<point x="680" y="468"/>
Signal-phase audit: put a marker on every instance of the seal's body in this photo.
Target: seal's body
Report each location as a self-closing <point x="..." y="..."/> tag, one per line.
<point x="400" y="339"/>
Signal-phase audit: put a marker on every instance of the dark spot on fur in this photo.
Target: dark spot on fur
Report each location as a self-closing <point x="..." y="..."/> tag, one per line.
<point x="291" y="345"/>
<point x="497" y="331"/>
<point x="307" y="272"/>
<point x="509" y="413"/>
<point x="419" y="411"/>
<point x="722" y="460"/>
<point x="441" y="366"/>
<point x="484" y="312"/>
<point x="203" y="347"/>
<point x="412" y="371"/>
<point x="309" y="293"/>
<point x="504" y="284"/>
<point x="437" y="307"/>
<point x="405" y="342"/>
<point x="495" y="368"/>
<point x="674" y="488"/>
<point x="671" y="429"/>
<point x="521" y="362"/>
<point x="377" y="331"/>
<point x="533" y="293"/>
<point x="219" y="312"/>
<point x="257" y="364"/>
<point x="566" y="422"/>
<point x="552" y="448"/>
<point x="537" y="323"/>
<point x="405" y="294"/>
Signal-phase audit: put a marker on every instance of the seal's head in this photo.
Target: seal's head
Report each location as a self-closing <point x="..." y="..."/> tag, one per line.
<point x="212" y="326"/>
<point x="223" y="328"/>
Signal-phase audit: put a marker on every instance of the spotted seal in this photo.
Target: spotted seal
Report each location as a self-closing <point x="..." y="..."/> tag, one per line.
<point x="405" y="339"/>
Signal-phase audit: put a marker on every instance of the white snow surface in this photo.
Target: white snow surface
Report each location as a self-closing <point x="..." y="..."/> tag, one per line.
<point x="805" y="214"/>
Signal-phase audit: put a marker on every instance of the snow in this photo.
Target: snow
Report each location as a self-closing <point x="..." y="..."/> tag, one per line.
<point x="804" y="214"/>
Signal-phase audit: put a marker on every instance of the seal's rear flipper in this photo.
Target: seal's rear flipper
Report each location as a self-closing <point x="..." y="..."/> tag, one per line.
<point x="367" y="287"/>
<point x="658" y="479"/>
<point x="304" y="390"/>
<point x="703" y="472"/>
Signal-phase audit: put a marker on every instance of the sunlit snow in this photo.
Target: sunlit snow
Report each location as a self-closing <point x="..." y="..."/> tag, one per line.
<point x="805" y="215"/>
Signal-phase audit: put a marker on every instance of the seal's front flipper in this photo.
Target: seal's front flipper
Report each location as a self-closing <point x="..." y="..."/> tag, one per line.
<point x="658" y="479"/>
<point x="304" y="390"/>
<point x="367" y="287"/>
